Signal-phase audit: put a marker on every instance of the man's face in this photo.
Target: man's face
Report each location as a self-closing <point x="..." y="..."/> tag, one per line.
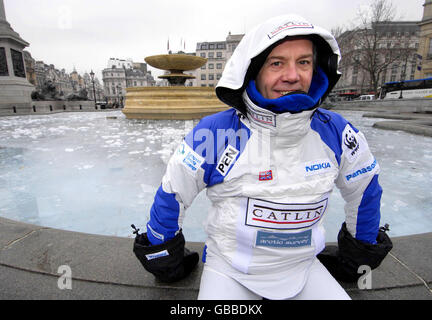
<point x="289" y="67"/>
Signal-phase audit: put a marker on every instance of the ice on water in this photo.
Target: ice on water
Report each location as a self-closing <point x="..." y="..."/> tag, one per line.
<point x="94" y="173"/>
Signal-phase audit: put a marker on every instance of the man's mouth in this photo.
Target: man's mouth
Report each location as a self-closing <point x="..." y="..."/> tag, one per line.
<point x="288" y="92"/>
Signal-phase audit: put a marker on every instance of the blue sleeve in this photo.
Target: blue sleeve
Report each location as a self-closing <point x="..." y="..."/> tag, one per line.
<point x="358" y="173"/>
<point x="191" y="169"/>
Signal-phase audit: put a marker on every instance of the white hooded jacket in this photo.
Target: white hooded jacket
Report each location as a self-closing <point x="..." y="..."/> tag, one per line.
<point x="269" y="177"/>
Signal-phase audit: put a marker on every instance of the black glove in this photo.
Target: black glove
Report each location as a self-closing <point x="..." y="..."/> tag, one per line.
<point x="169" y="261"/>
<point x="344" y="260"/>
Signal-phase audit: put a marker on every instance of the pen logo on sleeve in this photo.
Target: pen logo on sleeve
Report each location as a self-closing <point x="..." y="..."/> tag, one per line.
<point x="227" y="160"/>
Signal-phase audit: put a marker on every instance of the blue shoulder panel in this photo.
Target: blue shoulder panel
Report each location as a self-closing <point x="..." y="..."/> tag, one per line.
<point x="211" y="137"/>
<point x="330" y="125"/>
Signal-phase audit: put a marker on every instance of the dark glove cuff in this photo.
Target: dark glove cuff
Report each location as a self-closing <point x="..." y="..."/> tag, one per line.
<point x="343" y="262"/>
<point x="359" y="253"/>
<point x="168" y="261"/>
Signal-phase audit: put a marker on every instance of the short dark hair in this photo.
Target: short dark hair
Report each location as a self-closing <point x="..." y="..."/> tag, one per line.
<point x="258" y="61"/>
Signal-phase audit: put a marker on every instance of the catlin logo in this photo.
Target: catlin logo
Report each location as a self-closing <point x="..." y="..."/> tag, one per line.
<point x="284" y="216"/>
<point x="290" y="25"/>
<point x="227" y="160"/>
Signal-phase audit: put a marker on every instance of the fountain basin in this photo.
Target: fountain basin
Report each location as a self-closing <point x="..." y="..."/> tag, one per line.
<point x="176" y="62"/>
<point x="171" y="103"/>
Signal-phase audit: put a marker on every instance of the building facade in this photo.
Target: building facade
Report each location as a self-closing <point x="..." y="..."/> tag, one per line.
<point x="66" y="84"/>
<point x="121" y="74"/>
<point x="424" y="68"/>
<point x="217" y="54"/>
<point x="394" y="46"/>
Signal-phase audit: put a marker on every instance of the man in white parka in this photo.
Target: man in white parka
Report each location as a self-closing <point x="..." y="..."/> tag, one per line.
<point x="269" y="165"/>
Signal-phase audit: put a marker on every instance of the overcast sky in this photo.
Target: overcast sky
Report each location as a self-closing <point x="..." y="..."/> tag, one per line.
<point x="85" y="33"/>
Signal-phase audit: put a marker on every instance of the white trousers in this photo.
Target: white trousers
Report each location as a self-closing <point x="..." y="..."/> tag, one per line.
<point x="320" y="285"/>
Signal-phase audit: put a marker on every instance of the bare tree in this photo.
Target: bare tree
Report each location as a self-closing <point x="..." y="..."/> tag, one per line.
<point x="367" y="46"/>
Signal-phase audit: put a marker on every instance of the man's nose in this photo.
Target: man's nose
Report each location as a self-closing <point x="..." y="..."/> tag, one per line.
<point x="290" y="73"/>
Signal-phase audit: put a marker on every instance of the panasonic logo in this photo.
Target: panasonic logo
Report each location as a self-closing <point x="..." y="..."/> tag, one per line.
<point x="361" y="173"/>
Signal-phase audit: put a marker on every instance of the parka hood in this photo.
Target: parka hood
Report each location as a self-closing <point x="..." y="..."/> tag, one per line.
<point x="258" y="43"/>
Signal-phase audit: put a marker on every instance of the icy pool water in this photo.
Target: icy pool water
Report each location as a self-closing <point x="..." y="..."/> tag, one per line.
<point x="98" y="173"/>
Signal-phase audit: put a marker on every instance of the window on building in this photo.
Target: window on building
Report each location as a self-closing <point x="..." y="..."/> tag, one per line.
<point x="211" y="46"/>
<point x="203" y="54"/>
<point x="211" y="77"/>
<point x="203" y="67"/>
<point x="218" y="54"/>
<point x="219" y="66"/>
<point x="220" y="46"/>
<point x="218" y="76"/>
<point x="430" y="47"/>
<point x="211" y="55"/>
<point x="203" y="77"/>
<point x="211" y="66"/>
<point x="3" y="63"/>
<point x="203" y="46"/>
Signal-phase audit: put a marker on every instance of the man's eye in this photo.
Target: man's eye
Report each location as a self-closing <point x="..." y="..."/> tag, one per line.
<point x="276" y="64"/>
<point x="305" y="62"/>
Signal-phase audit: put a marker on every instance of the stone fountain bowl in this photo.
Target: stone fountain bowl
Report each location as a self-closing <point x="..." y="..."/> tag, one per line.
<point x="181" y="62"/>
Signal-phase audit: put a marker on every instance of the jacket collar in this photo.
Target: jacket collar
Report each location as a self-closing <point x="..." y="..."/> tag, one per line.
<point x="295" y="125"/>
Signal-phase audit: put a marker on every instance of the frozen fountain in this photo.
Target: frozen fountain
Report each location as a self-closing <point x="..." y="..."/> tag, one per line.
<point x="175" y="102"/>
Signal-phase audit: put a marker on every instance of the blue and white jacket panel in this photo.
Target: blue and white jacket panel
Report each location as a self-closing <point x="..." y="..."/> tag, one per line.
<point x="269" y="177"/>
<point x="303" y="157"/>
<point x="192" y="168"/>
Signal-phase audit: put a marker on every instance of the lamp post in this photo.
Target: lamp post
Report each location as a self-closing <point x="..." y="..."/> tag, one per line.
<point x="94" y="92"/>
<point x="118" y="95"/>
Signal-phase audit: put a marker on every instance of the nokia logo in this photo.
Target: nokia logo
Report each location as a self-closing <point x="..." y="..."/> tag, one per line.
<point x="318" y="166"/>
<point x="227" y="160"/>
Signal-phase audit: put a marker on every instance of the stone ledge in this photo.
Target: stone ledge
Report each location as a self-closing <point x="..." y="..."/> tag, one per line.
<point x="105" y="267"/>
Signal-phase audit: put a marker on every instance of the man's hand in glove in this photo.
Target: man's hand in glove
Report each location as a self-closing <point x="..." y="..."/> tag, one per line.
<point x="344" y="260"/>
<point x="169" y="261"/>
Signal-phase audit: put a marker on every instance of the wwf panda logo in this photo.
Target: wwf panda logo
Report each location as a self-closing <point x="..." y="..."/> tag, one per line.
<point x="350" y="140"/>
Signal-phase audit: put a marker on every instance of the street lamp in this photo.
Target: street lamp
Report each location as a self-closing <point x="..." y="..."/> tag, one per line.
<point x="94" y="92"/>
<point x="118" y="95"/>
